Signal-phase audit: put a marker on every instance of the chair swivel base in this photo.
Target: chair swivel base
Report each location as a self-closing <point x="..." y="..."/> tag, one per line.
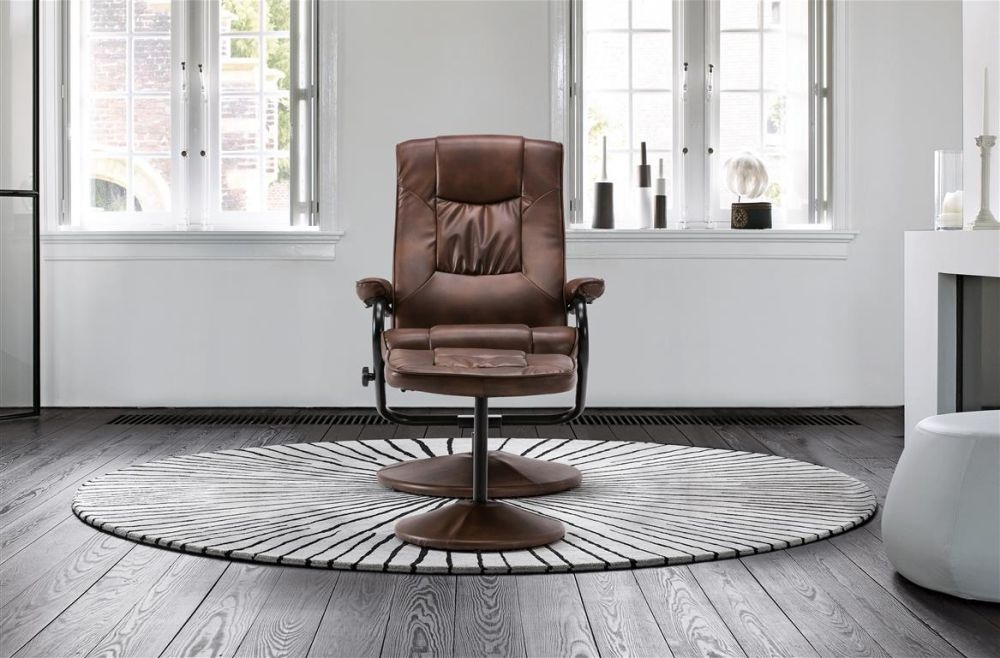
<point x="450" y="476"/>
<point x="488" y="526"/>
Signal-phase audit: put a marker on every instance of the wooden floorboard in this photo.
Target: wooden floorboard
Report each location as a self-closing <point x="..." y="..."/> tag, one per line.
<point x="66" y="589"/>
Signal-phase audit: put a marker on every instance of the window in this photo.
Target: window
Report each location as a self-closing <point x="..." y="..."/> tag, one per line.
<point x="191" y="114"/>
<point x="700" y="82"/>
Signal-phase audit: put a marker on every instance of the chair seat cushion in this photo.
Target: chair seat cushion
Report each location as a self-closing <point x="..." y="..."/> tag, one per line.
<point x="531" y="340"/>
<point x="481" y="360"/>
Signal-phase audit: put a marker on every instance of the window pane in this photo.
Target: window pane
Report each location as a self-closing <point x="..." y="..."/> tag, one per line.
<point x="151" y="125"/>
<point x="108" y="183"/>
<point x="652" y="66"/>
<point x="152" y="64"/>
<point x="606" y="57"/>
<point x="605" y="14"/>
<point x="278" y="73"/>
<point x="151" y="181"/>
<point x="108" y="15"/>
<point x="108" y="65"/>
<point x="739" y="67"/>
<point x="277" y="174"/>
<point x="739" y="123"/>
<point x="16" y="103"/>
<point x="278" y="15"/>
<point x="651" y="14"/>
<point x="151" y="15"/>
<point x="653" y="120"/>
<point x="108" y="124"/>
<point x="239" y="16"/>
<point x="240" y="62"/>
<point x="240" y="184"/>
<point x="606" y="114"/>
<point x="773" y="123"/>
<point x="240" y="123"/>
<point x="739" y="14"/>
<point x="122" y="161"/>
<point x="278" y="127"/>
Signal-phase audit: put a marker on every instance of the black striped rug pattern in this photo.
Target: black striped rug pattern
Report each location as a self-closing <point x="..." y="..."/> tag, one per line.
<point x="319" y="505"/>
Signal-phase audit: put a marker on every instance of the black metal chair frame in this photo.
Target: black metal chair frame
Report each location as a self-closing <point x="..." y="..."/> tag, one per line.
<point x="381" y="307"/>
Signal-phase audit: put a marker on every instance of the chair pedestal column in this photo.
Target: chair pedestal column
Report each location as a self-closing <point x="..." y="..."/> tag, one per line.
<point x="479" y="524"/>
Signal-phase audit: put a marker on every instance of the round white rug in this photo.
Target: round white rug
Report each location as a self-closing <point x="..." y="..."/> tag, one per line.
<point x="319" y="505"/>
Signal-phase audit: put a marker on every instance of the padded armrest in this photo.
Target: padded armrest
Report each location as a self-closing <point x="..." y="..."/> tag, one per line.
<point x="586" y="287"/>
<point x="373" y="288"/>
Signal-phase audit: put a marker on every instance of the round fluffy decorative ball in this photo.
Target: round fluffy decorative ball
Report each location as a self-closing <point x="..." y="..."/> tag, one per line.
<point x="746" y="175"/>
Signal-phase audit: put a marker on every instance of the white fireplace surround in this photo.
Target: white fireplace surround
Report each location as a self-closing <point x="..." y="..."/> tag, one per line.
<point x="933" y="261"/>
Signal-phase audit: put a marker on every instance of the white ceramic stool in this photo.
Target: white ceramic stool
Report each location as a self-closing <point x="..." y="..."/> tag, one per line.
<point x="941" y="522"/>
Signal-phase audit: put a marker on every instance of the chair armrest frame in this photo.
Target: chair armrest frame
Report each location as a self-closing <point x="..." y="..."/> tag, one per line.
<point x="381" y="308"/>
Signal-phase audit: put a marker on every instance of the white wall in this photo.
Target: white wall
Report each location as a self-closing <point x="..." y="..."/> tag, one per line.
<point x="668" y="332"/>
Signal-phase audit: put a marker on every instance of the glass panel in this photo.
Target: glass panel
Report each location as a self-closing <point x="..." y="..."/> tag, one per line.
<point x="277" y="177"/>
<point x="739" y="123"/>
<point x="605" y="14"/>
<point x="151" y="182"/>
<point x="277" y="16"/>
<point x="279" y="136"/>
<point x="151" y="125"/>
<point x="108" y="65"/>
<point x="17" y="339"/>
<point x="653" y="120"/>
<point x="239" y="16"/>
<point x="240" y="124"/>
<point x="108" y="121"/>
<point x="651" y="14"/>
<point x="151" y="15"/>
<point x="107" y="179"/>
<point x="628" y="72"/>
<point x="606" y="114"/>
<point x="240" y="62"/>
<point x="241" y="189"/>
<point x="278" y="74"/>
<point x="152" y="65"/>
<point x="108" y="15"/>
<point x="606" y="61"/>
<point x="739" y="67"/>
<point x="739" y="14"/>
<point x="652" y="61"/>
<point x="16" y="105"/>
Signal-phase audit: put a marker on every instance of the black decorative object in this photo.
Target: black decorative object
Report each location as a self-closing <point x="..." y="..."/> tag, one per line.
<point x="660" y="209"/>
<point x="746" y="176"/>
<point x="645" y="205"/>
<point x="755" y="214"/>
<point x="604" y="193"/>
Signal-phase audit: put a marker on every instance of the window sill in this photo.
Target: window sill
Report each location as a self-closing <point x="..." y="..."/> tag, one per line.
<point x="303" y="245"/>
<point x="781" y="244"/>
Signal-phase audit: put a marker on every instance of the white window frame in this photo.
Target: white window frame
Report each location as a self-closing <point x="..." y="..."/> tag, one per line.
<point x="828" y="66"/>
<point x="313" y="149"/>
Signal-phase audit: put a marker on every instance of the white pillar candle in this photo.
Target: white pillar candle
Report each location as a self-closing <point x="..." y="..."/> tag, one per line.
<point x="604" y="157"/>
<point x="952" y="202"/>
<point x="986" y="100"/>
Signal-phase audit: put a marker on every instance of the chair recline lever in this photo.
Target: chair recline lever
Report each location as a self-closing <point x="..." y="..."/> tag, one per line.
<point x="367" y="376"/>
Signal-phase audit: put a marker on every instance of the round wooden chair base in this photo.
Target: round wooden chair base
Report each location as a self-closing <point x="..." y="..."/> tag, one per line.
<point x="450" y="476"/>
<point x="469" y="526"/>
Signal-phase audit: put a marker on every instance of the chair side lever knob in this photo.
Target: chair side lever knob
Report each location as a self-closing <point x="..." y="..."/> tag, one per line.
<point x="367" y="376"/>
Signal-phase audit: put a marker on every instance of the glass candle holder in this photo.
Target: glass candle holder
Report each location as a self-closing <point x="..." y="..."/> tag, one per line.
<point x="948" y="206"/>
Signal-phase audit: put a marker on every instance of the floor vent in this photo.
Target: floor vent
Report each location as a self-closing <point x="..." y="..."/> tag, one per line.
<point x="588" y="418"/>
<point x="714" y="418"/>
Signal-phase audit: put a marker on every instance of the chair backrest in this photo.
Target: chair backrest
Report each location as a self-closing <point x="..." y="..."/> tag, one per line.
<point x="479" y="232"/>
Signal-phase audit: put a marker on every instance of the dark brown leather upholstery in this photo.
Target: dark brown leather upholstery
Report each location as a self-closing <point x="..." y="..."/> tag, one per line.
<point x="586" y="287"/>
<point x="373" y="288"/>
<point x="420" y="370"/>
<point x="479" y="295"/>
<point x="479" y="232"/>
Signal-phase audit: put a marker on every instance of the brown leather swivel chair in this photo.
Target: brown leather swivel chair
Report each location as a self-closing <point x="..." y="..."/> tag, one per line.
<point x="479" y="304"/>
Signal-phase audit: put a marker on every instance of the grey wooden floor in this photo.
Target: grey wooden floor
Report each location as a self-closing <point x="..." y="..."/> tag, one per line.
<point x="67" y="590"/>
